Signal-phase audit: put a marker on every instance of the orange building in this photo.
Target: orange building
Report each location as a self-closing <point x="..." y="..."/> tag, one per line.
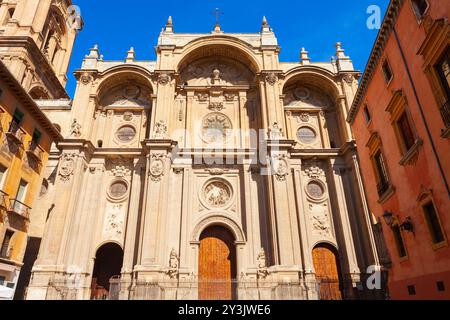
<point x="401" y="121"/>
<point x="26" y="136"/>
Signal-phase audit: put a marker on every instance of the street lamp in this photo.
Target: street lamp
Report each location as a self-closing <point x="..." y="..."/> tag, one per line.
<point x="407" y="225"/>
<point x="388" y="218"/>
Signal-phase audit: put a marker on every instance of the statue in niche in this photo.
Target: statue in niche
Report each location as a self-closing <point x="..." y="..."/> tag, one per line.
<point x="75" y="129"/>
<point x="276" y="133"/>
<point x="216" y="77"/>
<point x="263" y="272"/>
<point x="174" y="264"/>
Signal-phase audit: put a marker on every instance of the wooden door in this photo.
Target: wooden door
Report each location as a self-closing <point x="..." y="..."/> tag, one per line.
<point x="217" y="265"/>
<point x="327" y="269"/>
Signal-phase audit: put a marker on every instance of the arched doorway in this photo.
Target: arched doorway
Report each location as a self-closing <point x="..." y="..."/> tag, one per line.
<point x="328" y="273"/>
<point x="108" y="264"/>
<point x="217" y="265"/>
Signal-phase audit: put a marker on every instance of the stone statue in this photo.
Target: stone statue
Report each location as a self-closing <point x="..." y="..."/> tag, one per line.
<point x="160" y="130"/>
<point x="75" y="129"/>
<point x="276" y="133"/>
<point x="263" y="272"/>
<point x="174" y="264"/>
<point x="216" y="76"/>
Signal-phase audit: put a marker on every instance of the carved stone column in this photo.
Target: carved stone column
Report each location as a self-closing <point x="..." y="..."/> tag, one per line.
<point x="131" y="231"/>
<point x="353" y="272"/>
<point x="51" y="261"/>
<point x="155" y="205"/>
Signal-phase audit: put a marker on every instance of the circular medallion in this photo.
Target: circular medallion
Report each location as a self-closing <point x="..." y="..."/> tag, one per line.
<point x="131" y="92"/>
<point x="302" y="93"/>
<point x="306" y="135"/>
<point x="217" y="193"/>
<point x="315" y="190"/>
<point x="118" y="189"/>
<point x="216" y="128"/>
<point x="126" y="133"/>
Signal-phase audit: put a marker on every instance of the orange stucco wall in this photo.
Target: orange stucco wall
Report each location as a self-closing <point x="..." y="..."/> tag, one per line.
<point x="424" y="266"/>
<point x="16" y="170"/>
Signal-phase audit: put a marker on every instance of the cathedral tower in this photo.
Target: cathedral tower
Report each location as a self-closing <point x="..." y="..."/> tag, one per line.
<point x="36" y="42"/>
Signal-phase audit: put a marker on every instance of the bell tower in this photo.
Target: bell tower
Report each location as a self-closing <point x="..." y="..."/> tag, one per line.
<point x="36" y="42"/>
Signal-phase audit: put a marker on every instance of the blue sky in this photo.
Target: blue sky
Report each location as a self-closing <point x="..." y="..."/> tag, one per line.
<point x="316" y="25"/>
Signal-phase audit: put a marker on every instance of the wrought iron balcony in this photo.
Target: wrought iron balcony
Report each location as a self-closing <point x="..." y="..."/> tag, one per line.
<point x="15" y="133"/>
<point x="19" y="208"/>
<point x="35" y="151"/>
<point x="445" y="113"/>
<point x="382" y="187"/>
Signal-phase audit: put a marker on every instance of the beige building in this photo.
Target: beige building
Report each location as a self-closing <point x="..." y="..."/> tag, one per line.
<point x="214" y="172"/>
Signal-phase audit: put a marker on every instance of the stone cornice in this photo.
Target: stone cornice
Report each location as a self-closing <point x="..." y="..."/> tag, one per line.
<point x="375" y="56"/>
<point x="9" y="80"/>
<point x="38" y="60"/>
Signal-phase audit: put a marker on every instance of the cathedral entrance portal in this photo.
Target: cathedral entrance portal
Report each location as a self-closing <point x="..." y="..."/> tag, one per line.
<point x="217" y="265"/>
<point x="108" y="264"/>
<point x="326" y="264"/>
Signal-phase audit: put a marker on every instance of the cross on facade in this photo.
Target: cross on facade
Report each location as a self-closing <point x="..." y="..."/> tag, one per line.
<point x="217" y="13"/>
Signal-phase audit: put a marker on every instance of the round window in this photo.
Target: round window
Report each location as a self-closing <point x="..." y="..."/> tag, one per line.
<point x="118" y="189"/>
<point x="315" y="189"/>
<point x="306" y="135"/>
<point x="126" y="134"/>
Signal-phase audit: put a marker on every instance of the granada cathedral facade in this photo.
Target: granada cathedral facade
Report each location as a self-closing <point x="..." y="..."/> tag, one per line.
<point x="214" y="172"/>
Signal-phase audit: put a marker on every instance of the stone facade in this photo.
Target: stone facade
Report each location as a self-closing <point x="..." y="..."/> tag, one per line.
<point x="215" y="132"/>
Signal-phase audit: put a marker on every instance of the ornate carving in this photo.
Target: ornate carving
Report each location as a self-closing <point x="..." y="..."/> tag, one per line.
<point x="272" y="78"/>
<point x="216" y="128"/>
<point x="304" y="117"/>
<point x="216" y="171"/>
<point x="121" y="171"/>
<point x="263" y="272"/>
<point x="315" y="172"/>
<point x="160" y="130"/>
<point x="216" y="106"/>
<point x="174" y="264"/>
<point x="207" y="72"/>
<point x="320" y="219"/>
<point x="128" y="116"/>
<point x="349" y="79"/>
<point x="229" y="96"/>
<point x="131" y="92"/>
<point x="75" y="129"/>
<point x="276" y="133"/>
<point x="86" y="78"/>
<point x="216" y="79"/>
<point x="67" y="166"/>
<point x="217" y="193"/>
<point x="113" y="229"/>
<point x="157" y="162"/>
<point x="203" y="97"/>
<point x="280" y="167"/>
<point x="301" y="96"/>
<point x="164" y="79"/>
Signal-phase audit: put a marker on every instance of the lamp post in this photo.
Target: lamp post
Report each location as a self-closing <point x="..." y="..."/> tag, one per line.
<point x="407" y="225"/>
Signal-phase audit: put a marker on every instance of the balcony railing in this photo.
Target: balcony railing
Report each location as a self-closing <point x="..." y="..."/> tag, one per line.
<point x="35" y="151"/>
<point x="20" y="208"/>
<point x="382" y="187"/>
<point x="15" y="132"/>
<point x="445" y="112"/>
